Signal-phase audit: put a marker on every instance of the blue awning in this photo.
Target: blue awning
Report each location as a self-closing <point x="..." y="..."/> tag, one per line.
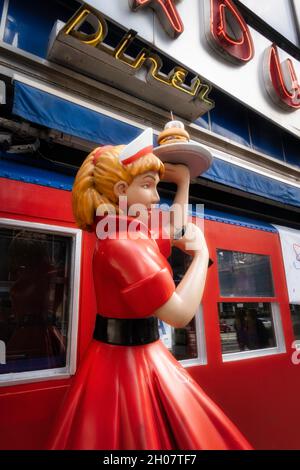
<point x="58" y="113"/>
<point x="251" y="182"/>
<point x="71" y="118"/>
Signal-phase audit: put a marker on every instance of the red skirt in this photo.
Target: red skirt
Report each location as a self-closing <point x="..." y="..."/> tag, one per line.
<point x="139" y="397"/>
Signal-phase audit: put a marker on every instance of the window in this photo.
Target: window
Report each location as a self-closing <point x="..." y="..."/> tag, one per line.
<point x="186" y="344"/>
<point x="295" y="314"/>
<point x="250" y="326"/>
<point x="28" y="25"/>
<point x="229" y="118"/>
<point x="246" y="326"/>
<point x="291" y="148"/>
<point x="265" y="136"/>
<point x="38" y="298"/>
<point x="244" y="274"/>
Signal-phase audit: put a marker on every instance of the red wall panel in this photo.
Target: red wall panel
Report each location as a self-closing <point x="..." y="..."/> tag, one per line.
<point x="260" y="395"/>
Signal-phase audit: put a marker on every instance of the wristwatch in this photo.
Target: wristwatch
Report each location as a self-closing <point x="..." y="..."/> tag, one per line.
<point x="180" y="233"/>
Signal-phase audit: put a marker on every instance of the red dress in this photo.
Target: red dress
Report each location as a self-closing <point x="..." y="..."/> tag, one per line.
<point x="137" y="397"/>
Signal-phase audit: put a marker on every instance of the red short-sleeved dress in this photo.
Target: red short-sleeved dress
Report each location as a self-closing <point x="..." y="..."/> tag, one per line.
<point x="137" y="397"/>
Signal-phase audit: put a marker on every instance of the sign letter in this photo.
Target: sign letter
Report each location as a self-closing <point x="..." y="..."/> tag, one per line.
<point x="227" y="31"/>
<point x="281" y="80"/>
<point x="96" y="22"/>
<point x="166" y="12"/>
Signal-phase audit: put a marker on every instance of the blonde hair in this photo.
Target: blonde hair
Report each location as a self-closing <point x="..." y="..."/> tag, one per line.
<point x="95" y="181"/>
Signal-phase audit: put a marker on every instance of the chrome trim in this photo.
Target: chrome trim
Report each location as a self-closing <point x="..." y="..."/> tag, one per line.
<point x="3" y="19"/>
<point x="59" y="229"/>
<point x="296" y="10"/>
<point x="17" y="378"/>
<point x="74" y="308"/>
<point x="239" y="356"/>
<point x="278" y="330"/>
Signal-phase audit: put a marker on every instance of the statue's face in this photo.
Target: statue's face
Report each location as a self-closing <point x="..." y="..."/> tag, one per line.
<point x="140" y="194"/>
<point x="143" y="190"/>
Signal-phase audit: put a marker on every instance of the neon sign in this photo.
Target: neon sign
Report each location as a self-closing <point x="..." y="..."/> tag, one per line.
<point x="166" y="12"/>
<point x="227" y="31"/>
<point x="229" y="35"/>
<point x="128" y="62"/>
<point x="176" y="78"/>
<point x="281" y="80"/>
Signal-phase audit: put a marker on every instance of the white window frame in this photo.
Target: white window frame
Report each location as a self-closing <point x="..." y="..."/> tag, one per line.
<point x="201" y="358"/>
<point x="256" y="353"/>
<point x="14" y="378"/>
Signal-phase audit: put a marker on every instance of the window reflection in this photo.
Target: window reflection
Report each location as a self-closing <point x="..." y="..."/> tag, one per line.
<point x="246" y="326"/>
<point x="34" y="293"/>
<point x="244" y="274"/>
<point x="182" y="342"/>
<point x="295" y="314"/>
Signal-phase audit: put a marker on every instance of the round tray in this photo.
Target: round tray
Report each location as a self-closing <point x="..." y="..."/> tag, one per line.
<point x="194" y="155"/>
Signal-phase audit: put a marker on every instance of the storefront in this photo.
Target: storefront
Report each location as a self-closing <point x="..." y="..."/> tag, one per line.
<point x="75" y="77"/>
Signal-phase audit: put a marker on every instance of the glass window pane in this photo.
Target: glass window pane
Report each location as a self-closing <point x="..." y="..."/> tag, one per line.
<point x="203" y="120"/>
<point x="246" y="326"/>
<point x="291" y="146"/>
<point x="229" y="118"/>
<point x="28" y="25"/>
<point x="244" y="274"/>
<point x="295" y="314"/>
<point x="266" y="137"/>
<point x="34" y="299"/>
<point x="182" y="342"/>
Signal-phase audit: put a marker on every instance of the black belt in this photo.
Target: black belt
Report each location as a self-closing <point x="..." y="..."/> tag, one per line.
<point x="126" y="331"/>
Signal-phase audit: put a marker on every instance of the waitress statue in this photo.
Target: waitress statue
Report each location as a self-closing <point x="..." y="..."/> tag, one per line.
<point x="130" y="392"/>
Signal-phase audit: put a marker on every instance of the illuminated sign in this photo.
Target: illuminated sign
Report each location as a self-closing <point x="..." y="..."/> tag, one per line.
<point x="176" y="78"/>
<point x="229" y="35"/>
<point x="227" y="31"/>
<point x="130" y="64"/>
<point x="166" y="12"/>
<point x="281" y="80"/>
<point x="175" y="73"/>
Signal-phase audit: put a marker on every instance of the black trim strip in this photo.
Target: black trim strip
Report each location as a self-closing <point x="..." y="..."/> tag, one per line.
<point x="266" y="30"/>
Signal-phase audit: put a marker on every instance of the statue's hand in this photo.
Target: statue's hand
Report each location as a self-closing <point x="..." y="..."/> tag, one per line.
<point x="193" y="241"/>
<point x="178" y="174"/>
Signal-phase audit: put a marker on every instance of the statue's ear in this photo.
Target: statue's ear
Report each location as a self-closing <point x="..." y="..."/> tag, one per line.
<point x="120" y="188"/>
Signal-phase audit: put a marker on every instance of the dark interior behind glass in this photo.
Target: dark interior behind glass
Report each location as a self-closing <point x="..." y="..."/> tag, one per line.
<point x="34" y="299"/>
